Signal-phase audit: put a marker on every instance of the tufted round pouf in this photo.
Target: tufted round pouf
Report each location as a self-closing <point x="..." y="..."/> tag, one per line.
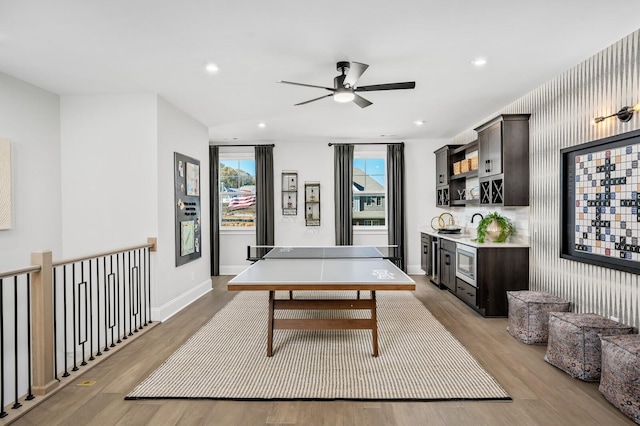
<point x="529" y="314"/>
<point x="574" y="342"/>
<point x="620" y="377"/>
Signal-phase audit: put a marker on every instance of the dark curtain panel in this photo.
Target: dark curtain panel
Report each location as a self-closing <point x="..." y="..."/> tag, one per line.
<point x="264" y="196"/>
<point x="214" y="208"/>
<point x="395" y="200"/>
<point x="343" y="181"/>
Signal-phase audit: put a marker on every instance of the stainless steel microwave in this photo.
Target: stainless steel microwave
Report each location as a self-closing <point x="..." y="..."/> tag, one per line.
<point x="466" y="263"/>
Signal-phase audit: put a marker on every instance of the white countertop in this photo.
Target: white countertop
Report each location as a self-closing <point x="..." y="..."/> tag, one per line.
<point x="468" y="235"/>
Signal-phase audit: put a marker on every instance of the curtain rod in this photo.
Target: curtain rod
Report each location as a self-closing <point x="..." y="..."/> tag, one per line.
<point x="271" y="145"/>
<point x="367" y="143"/>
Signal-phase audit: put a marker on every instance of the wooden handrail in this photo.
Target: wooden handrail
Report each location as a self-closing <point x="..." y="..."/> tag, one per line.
<point x="22" y="271"/>
<point x="151" y="246"/>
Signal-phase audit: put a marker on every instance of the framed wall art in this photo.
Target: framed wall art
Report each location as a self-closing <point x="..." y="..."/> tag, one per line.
<point x="187" y="208"/>
<point x="312" y="203"/>
<point x="600" y="202"/>
<point x="289" y="193"/>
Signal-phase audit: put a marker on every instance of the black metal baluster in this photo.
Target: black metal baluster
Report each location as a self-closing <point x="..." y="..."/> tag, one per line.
<point x="143" y="287"/>
<point x="15" y="340"/>
<point x="138" y="292"/>
<point x="29" y="372"/>
<point x="114" y="304"/>
<point x="106" y="301"/>
<point x="55" y="326"/>
<point x="98" y="353"/>
<point x="149" y="282"/>
<point x="131" y="298"/>
<point x="82" y="291"/>
<point x="73" y="317"/>
<point x="2" y="412"/>
<point x="90" y="325"/>
<point x="64" y="318"/>
<point x="117" y="299"/>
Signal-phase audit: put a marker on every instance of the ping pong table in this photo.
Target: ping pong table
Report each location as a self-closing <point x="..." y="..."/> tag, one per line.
<point x="334" y="268"/>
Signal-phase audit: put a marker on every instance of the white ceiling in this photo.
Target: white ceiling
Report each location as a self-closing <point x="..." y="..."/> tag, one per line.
<point x="161" y="46"/>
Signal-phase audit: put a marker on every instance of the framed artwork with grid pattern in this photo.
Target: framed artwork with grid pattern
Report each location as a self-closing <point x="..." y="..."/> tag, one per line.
<point x="600" y="202"/>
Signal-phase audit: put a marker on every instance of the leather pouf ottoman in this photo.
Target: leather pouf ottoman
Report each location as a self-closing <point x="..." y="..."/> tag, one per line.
<point x="529" y="314"/>
<point x="620" y="378"/>
<point x="574" y="342"/>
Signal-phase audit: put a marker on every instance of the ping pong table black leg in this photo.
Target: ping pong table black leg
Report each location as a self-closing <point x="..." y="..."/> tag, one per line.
<point x="270" y="329"/>
<point x="374" y="325"/>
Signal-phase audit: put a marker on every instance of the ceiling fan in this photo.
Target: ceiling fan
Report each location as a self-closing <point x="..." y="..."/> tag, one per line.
<point x="344" y="85"/>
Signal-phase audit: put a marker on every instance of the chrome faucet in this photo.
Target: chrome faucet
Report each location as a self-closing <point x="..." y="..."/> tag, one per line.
<point x="474" y="216"/>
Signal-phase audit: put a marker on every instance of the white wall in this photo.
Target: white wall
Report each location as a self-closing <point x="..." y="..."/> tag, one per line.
<point x="314" y="163"/>
<point x="109" y="179"/>
<point x="29" y="117"/>
<point x="179" y="286"/>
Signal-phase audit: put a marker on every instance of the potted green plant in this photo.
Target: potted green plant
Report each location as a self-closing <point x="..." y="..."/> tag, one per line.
<point x="495" y="227"/>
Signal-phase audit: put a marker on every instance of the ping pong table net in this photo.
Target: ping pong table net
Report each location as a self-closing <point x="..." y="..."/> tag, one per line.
<point x="259" y="252"/>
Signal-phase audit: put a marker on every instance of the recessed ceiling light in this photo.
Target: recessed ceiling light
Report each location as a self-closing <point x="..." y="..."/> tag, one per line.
<point x="212" y="68"/>
<point x="262" y="125"/>
<point x="419" y="122"/>
<point x="479" y="62"/>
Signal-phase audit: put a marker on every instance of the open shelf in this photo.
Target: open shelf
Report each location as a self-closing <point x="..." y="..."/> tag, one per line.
<point x="473" y="202"/>
<point x="469" y="174"/>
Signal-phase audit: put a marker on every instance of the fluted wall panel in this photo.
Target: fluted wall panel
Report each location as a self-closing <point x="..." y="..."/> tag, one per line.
<point x="562" y="111"/>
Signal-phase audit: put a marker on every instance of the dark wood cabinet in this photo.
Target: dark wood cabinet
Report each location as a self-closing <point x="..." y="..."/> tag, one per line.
<point x="426" y="255"/>
<point x="490" y="153"/>
<point x="503" y="160"/>
<point x="448" y="265"/>
<point x="467" y="293"/>
<point x="500" y="270"/>
<point x="443" y="172"/>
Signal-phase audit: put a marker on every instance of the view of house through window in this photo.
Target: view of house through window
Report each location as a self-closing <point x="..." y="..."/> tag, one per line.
<point x="237" y="192"/>
<point x="369" y="192"/>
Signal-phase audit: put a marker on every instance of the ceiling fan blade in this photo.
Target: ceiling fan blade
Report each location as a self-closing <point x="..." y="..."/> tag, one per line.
<point x="390" y="86"/>
<point x="316" y="99"/>
<point x="308" y="85"/>
<point x="360" y="101"/>
<point x="356" y="69"/>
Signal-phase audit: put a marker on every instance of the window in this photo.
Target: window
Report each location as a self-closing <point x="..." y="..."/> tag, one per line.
<point x="369" y="191"/>
<point x="237" y="179"/>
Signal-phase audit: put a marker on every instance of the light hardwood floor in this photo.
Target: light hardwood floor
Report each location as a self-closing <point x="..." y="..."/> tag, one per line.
<point x="542" y="394"/>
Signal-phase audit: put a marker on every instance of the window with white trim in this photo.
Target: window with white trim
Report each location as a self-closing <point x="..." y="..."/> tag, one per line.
<point x="369" y="190"/>
<point x="237" y="186"/>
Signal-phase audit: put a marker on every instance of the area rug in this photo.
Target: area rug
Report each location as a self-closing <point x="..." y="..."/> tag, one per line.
<point x="226" y="359"/>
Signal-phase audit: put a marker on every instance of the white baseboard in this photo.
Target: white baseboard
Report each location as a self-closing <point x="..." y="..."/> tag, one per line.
<point x="414" y="270"/>
<point x="169" y="309"/>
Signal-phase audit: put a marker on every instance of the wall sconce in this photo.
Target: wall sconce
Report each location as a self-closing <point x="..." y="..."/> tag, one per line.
<point x="624" y="114"/>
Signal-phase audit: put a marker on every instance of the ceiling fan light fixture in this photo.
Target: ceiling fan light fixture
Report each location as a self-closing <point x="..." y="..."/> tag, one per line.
<point x="343" y="96"/>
